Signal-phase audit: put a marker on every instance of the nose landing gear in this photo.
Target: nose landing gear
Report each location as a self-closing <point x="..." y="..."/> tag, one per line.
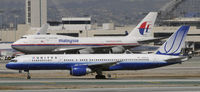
<point x="28" y="74"/>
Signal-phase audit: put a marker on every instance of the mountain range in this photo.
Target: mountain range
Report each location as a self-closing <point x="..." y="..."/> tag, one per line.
<point x="121" y="12"/>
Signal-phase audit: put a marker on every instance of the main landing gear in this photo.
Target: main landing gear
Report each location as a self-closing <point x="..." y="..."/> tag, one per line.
<point x="20" y="71"/>
<point x="100" y="75"/>
<point x="28" y="74"/>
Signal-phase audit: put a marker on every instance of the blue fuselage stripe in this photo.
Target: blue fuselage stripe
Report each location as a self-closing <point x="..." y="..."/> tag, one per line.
<point x="67" y="66"/>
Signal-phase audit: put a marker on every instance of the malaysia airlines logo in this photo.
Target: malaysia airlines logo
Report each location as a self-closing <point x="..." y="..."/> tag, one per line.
<point x="68" y="40"/>
<point x="144" y="28"/>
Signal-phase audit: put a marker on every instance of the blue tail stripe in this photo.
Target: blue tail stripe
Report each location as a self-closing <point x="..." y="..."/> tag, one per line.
<point x="172" y="43"/>
<point x="181" y="41"/>
<point x="176" y="41"/>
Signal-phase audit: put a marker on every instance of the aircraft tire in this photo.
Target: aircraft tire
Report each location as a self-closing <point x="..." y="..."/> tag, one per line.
<point x="20" y="71"/>
<point x="100" y="77"/>
<point x="28" y="77"/>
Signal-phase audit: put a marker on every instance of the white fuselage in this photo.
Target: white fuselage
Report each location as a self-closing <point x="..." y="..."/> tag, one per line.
<point x="125" y="61"/>
<point x="48" y="44"/>
<point x="52" y="43"/>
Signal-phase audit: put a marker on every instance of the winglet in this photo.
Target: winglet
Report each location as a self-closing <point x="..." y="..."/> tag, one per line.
<point x="175" y="42"/>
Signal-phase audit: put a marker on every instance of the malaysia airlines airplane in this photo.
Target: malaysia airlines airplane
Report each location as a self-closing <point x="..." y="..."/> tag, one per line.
<point x="49" y="44"/>
<point x="82" y="64"/>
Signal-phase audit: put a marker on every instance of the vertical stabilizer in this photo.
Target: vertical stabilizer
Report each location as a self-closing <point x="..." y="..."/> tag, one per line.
<point x="175" y="42"/>
<point x="43" y="29"/>
<point x="144" y="28"/>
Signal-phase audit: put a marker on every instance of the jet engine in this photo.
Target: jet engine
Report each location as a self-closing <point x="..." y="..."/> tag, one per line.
<point x="117" y="50"/>
<point x="80" y="70"/>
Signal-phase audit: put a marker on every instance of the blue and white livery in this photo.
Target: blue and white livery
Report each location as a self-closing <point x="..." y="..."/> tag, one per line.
<point x="173" y="45"/>
<point x="80" y="65"/>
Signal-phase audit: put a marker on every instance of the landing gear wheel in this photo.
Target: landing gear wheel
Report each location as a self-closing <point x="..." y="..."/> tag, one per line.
<point x="28" y="77"/>
<point x="100" y="77"/>
<point x="28" y="74"/>
<point x="20" y="71"/>
<point x="109" y="76"/>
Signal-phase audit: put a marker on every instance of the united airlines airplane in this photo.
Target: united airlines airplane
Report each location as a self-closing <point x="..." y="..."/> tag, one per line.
<point x="48" y="44"/>
<point x="80" y="65"/>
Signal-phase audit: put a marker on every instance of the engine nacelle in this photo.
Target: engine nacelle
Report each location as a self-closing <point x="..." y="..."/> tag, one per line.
<point x="86" y="51"/>
<point x="117" y="50"/>
<point x="80" y="70"/>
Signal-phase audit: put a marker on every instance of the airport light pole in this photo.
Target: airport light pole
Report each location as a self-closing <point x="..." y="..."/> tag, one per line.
<point x="1" y="20"/>
<point x="16" y="24"/>
<point x="1" y="26"/>
<point x="16" y="21"/>
<point x="1" y="14"/>
<point x="86" y="29"/>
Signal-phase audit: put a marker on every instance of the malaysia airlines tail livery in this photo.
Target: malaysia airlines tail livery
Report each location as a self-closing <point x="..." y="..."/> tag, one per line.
<point x="49" y="44"/>
<point x="82" y="64"/>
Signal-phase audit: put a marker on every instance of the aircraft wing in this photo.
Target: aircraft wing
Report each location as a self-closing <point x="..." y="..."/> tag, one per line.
<point x="69" y="50"/>
<point x="76" y="49"/>
<point x="103" y="65"/>
<point x="151" y="40"/>
<point x="66" y="49"/>
<point x="178" y="59"/>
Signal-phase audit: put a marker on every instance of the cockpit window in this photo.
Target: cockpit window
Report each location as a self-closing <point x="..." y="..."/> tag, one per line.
<point x="13" y="60"/>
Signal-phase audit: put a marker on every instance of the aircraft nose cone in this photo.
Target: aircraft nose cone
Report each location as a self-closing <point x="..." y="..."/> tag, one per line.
<point x="12" y="66"/>
<point x="13" y="46"/>
<point x="9" y="66"/>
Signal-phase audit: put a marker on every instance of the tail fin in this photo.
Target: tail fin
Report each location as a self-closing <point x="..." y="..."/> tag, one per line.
<point x="43" y="29"/>
<point x="144" y="28"/>
<point x="175" y="42"/>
